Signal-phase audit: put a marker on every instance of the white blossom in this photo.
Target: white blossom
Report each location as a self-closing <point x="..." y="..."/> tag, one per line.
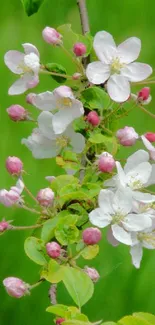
<point x="149" y="147"/>
<point x="116" y="65"/>
<point x="44" y="143"/>
<point x="137" y="174"/>
<point x="115" y="209"/>
<point x="61" y="99"/>
<point x="11" y="197"/>
<point x="26" y="65"/>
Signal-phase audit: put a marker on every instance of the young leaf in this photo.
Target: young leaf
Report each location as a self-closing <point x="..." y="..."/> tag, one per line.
<point x="69" y="37"/>
<point x="31" y="6"/>
<point x="97" y="138"/>
<point x="78" y="284"/>
<point x="59" y="310"/>
<point x="48" y="229"/>
<point x="89" y="252"/>
<point x="58" y="68"/>
<point x="109" y="323"/>
<point x="131" y="320"/>
<point x="66" y="234"/>
<point x="62" y="181"/>
<point x="83" y="214"/>
<point x="54" y="272"/>
<point x="146" y="316"/>
<point x="76" y="322"/>
<point x="95" y="97"/>
<point x="34" y="250"/>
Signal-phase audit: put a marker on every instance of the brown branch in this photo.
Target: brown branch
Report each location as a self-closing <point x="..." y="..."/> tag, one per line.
<point x="83" y="16"/>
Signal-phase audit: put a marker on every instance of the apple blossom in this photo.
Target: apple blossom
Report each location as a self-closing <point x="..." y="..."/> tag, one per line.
<point x="17" y="113"/>
<point x="11" y="197"/>
<point x="137" y="174"/>
<point x="92" y="273"/>
<point x="63" y="100"/>
<point x="149" y="147"/>
<point x="93" y="118"/>
<point x="79" y="49"/>
<point x="29" y="98"/>
<point x="51" y="36"/>
<point x="14" y="165"/>
<point x="91" y="236"/>
<point x="53" y="249"/>
<point x="150" y="136"/>
<point x="44" y="143"/>
<point x="15" y="287"/>
<point x="116" y="65"/>
<point x="106" y="162"/>
<point x="45" y="197"/>
<point x="127" y="136"/>
<point x="26" y="65"/>
<point x="144" y="96"/>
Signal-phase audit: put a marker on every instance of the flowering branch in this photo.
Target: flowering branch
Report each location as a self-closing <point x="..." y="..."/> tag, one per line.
<point x="83" y="16"/>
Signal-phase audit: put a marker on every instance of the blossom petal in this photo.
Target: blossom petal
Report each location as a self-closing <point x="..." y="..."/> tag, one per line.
<point x="111" y="239"/>
<point x="64" y="117"/>
<point x="14" y="60"/>
<point x="118" y="88"/>
<point x="77" y="142"/>
<point x="147" y="144"/>
<point x="97" y="72"/>
<point x="111" y="182"/>
<point x="99" y="219"/>
<point x="136" y="252"/>
<point x="129" y="50"/>
<point x="151" y="180"/>
<point x="141" y="174"/>
<point x="105" y="47"/>
<point x="136" y="71"/>
<point x="134" y="160"/>
<point x="45" y="101"/>
<point x="143" y="197"/>
<point x="21" y="85"/>
<point x="121" y="235"/>
<point x="30" y="48"/>
<point x="45" y="122"/>
<point x="121" y="178"/>
<point x="137" y="222"/>
<point x="105" y="200"/>
<point x="122" y="202"/>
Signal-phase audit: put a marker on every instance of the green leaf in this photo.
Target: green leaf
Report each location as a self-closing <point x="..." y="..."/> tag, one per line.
<point x="95" y="97"/>
<point x="31" y="6"/>
<point x="34" y="250"/>
<point x="69" y="37"/>
<point x="62" y="181"/>
<point x="58" y="68"/>
<point x="54" y="272"/>
<point x="83" y="214"/>
<point x="70" y="156"/>
<point x="89" y="252"/>
<point x="67" y="234"/>
<point x="78" y="284"/>
<point x="59" y="310"/>
<point x="97" y="138"/>
<point x="77" y="195"/>
<point x="48" y="229"/>
<point x="145" y="316"/>
<point x="76" y="322"/>
<point x="109" y="323"/>
<point x="93" y="189"/>
<point x="131" y="320"/>
<point x="68" y="312"/>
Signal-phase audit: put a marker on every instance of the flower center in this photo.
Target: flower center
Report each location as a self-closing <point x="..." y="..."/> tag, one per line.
<point x="134" y="182"/>
<point x="64" y="102"/>
<point x="117" y="218"/>
<point x="116" y="66"/>
<point x="149" y="238"/>
<point x="62" y="141"/>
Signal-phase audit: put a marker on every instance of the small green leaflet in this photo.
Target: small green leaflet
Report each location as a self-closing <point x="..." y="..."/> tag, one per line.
<point x="31" y="6"/>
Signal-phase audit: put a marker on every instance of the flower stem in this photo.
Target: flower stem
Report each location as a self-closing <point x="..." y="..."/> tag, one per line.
<point x="36" y="284"/>
<point x="146" y="111"/>
<point x="83" y="16"/>
<point x="30" y="194"/>
<point x="56" y="74"/>
<point x="25" y="227"/>
<point x="30" y="209"/>
<point x="75" y="61"/>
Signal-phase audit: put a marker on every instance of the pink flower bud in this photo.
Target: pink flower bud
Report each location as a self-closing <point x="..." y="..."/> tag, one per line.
<point x="92" y="273"/>
<point x="45" y="197"/>
<point x="106" y="163"/>
<point x="127" y="136"/>
<point x="14" y="165"/>
<point x="53" y="249"/>
<point x="17" y="113"/>
<point x="59" y="321"/>
<point x="30" y="97"/>
<point x="79" y="49"/>
<point x="63" y="92"/>
<point x="15" y="287"/>
<point x="144" y="94"/>
<point x="9" y="198"/>
<point x="93" y="118"/>
<point x="76" y="76"/>
<point x="4" y="225"/>
<point x="150" y="136"/>
<point x="51" y="36"/>
<point x="91" y="236"/>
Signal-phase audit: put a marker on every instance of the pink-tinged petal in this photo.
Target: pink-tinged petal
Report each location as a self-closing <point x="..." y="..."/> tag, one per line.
<point x="63" y="92"/>
<point x="111" y="239"/>
<point x="14" y="61"/>
<point x="136" y="71"/>
<point x="135" y="159"/>
<point x="105" y="47"/>
<point x="136" y="252"/>
<point x="21" y="85"/>
<point x="97" y="72"/>
<point x="118" y="88"/>
<point x="147" y="144"/>
<point x="30" y="48"/>
<point x="129" y="50"/>
<point x="121" y="235"/>
<point x="45" y="101"/>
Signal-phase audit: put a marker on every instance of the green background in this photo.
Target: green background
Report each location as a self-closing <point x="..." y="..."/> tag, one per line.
<point x="122" y="289"/>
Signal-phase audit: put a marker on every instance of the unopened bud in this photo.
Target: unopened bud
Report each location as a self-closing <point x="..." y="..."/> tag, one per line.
<point x="76" y="76"/>
<point x="92" y="273"/>
<point x="79" y="49"/>
<point x="127" y="136"/>
<point x="17" y="113"/>
<point x="106" y="163"/>
<point x="30" y="97"/>
<point x="93" y="118"/>
<point x="144" y="94"/>
<point x="91" y="236"/>
<point x="14" y="165"/>
<point x="15" y="287"/>
<point x="59" y="321"/>
<point x="53" y="249"/>
<point x="4" y="225"/>
<point x="51" y="36"/>
<point x="150" y="136"/>
<point x="45" y="197"/>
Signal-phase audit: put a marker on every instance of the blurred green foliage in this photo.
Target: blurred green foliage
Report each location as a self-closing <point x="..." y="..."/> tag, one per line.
<point x="122" y="290"/>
